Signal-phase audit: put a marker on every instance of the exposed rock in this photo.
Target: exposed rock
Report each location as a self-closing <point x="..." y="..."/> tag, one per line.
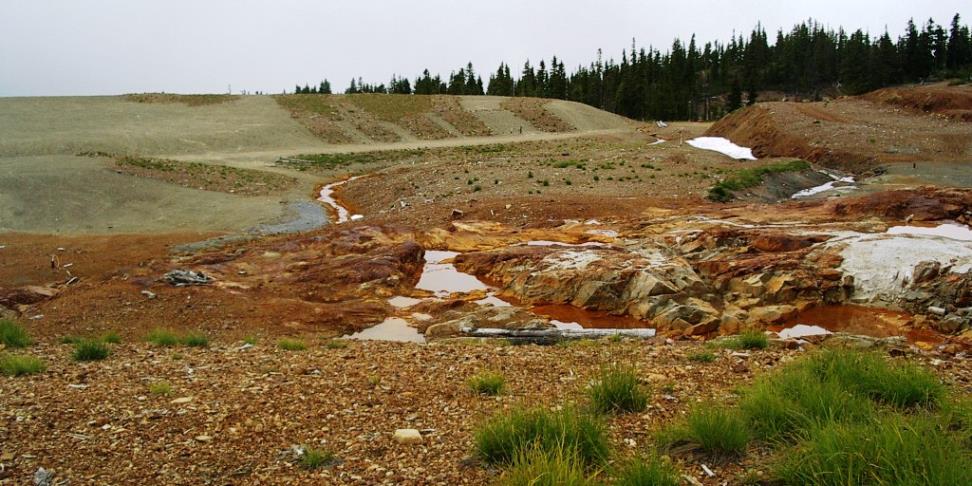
<point x="771" y="314"/>
<point x="27" y="295"/>
<point x="408" y="436"/>
<point x="183" y="278"/>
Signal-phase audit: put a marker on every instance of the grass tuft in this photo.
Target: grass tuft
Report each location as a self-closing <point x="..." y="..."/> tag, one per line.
<point x="869" y="374"/>
<point x="702" y="357"/>
<point x="891" y="450"/>
<point x="163" y="338"/>
<point x="566" y="432"/>
<point x="536" y="467"/>
<point x="288" y="344"/>
<point x="711" y="429"/>
<point x="617" y="391"/>
<point x="195" y="340"/>
<point x="313" y="458"/>
<point x="163" y="388"/>
<point x="13" y="335"/>
<point x="90" y="351"/>
<point x="752" y="339"/>
<point x="20" y="365"/>
<point x="648" y="471"/>
<point x="487" y="383"/>
<point x="335" y="344"/>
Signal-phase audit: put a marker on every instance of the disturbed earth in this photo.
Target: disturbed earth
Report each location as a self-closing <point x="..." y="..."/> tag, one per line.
<point x="544" y="260"/>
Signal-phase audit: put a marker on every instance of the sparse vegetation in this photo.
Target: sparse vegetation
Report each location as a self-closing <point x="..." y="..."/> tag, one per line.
<point x="188" y="100"/>
<point x="163" y="338"/>
<point x="13" y="335"/>
<point x="746" y="178"/>
<point x="20" y="365"/>
<point x="289" y="344"/>
<point x="195" y="340"/>
<point x="702" y="357"/>
<point x="648" y="471"/>
<point x="537" y="467"/>
<point x="487" y="383"/>
<point x="90" y="351"/>
<point x="335" y="344"/>
<point x="617" y="391"/>
<point x="304" y="162"/>
<point x="198" y="175"/>
<point x="749" y="339"/>
<point x="713" y="429"/>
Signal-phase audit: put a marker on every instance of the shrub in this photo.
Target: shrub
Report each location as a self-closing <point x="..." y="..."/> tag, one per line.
<point x="711" y="429"/>
<point x="162" y="337"/>
<point x="20" y="365"/>
<point x="316" y="458"/>
<point x="487" y="383"/>
<point x="648" y="471"/>
<point x="617" y="391"/>
<point x="702" y="357"/>
<point x="195" y="340"/>
<point x="13" y="335"/>
<point x="567" y="432"/>
<point x="892" y="450"/>
<point x="90" y="351"/>
<point x="291" y="344"/>
<point x="160" y="388"/>
<point x="536" y="467"/>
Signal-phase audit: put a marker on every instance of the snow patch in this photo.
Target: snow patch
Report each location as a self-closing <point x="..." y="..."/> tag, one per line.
<point x="824" y="187"/>
<point x="723" y="146"/>
<point x="950" y="231"/>
<point x="572" y="260"/>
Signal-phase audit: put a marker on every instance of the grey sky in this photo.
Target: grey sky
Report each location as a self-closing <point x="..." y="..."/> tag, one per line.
<point x="84" y="47"/>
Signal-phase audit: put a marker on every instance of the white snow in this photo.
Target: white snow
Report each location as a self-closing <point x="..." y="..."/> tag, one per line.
<point x="824" y="187"/>
<point x="723" y="146"/>
<point x="882" y="264"/>
<point x="950" y="231"/>
<point x="493" y="300"/>
<point x="802" y="330"/>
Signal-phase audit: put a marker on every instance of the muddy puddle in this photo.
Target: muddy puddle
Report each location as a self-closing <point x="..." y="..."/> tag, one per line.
<point x="443" y="278"/>
<point x="853" y="319"/>
<point x="392" y="329"/>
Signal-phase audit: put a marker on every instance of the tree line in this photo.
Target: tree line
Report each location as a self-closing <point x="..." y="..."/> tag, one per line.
<point x="692" y="82"/>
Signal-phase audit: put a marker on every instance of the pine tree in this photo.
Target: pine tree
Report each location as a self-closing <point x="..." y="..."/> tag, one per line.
<point x="734" y="101"/>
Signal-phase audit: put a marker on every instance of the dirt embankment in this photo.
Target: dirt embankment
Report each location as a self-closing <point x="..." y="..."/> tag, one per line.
<point x="910" y="124"/>
<point x="951" y="101"/>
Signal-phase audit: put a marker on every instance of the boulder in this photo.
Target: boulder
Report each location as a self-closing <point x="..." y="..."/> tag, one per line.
<point x="771" y="314"/>
<point x="408" y="436"/>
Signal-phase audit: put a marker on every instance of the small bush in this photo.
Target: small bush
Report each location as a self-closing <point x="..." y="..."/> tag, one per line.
<point x="162" y="337"/>
<point x="160" y="388"/>
<point x="891" y="450"/>
<point x="648" y="471"/>
<point x="711" y="429"/>
<point x="702" y="357"/>
<point x="536" y="467"/>
<point x="487" y="383"/>
<point x="287" y="344"/>
<point x="20" y="365"/>
<point x="251" y="340"/>
<point x="565" y="432"/>
<point x="617" y="391"/>
<point x="90" y="351"/>
<point x="195" y="340"/>
<point x="13" y="335"/>
<point x="316" y="458"/>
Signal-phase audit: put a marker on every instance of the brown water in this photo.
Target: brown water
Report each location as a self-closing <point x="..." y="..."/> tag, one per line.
<point x="853" y="319"/>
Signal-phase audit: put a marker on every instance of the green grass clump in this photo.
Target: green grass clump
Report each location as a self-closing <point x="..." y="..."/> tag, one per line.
<point x="890" y="450"/>
<point x="536" y="467"/>
<point x="163" y="338"/>
<point x="287" y="344"/>
<point x="648" y="471"/>
<point x="20" y="365"/>
<point x="90" y="351"/>
<point x="111" y="337"/>
<point x="702" y="357"/>
<point x="163" y="388"/>
<point x="487" y="383"/>
<point x="316" y="458"/>
<point x="13" y="335"/>
<point x="900" y="385"/>
<point x="195" y="340"/>
<point x="617" y="391"/>
<point x="751" y="339"/>
<point x="746" y="178"/>
<point x="715" y="430"/>
<point x="566" y="432"/>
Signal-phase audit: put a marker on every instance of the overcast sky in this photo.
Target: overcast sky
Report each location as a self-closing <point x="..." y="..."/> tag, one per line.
<point x="87" y="47"/>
